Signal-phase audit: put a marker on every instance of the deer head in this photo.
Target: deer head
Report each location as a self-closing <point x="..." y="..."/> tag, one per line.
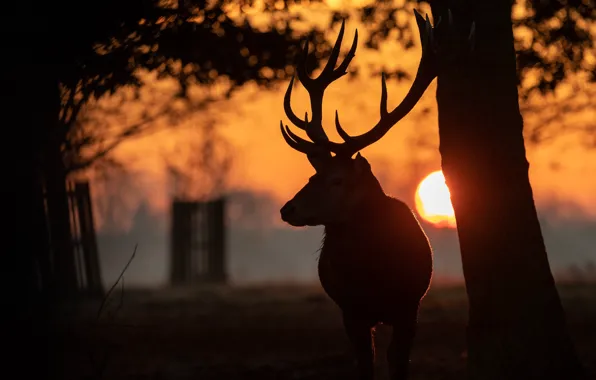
<point x="341" y="183"/>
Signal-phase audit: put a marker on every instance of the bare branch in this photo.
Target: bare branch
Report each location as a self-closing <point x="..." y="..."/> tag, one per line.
<point x="109" y="293"/>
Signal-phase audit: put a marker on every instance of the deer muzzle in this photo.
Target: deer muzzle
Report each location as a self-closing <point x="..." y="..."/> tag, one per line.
<point x="291" y="215"/>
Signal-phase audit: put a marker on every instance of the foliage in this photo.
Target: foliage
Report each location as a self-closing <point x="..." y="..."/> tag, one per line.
<point x="96" y="49"/>
<point x="560" y="42"/>
<point x="102" y="50"/>
<point x="195" y="42"/>
<point x="554" y="38"/>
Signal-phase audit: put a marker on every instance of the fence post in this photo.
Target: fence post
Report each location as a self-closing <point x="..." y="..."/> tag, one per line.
<point x="217" y="241"/>
<point x="88" y="239"/>
<point x="180" y="242"/>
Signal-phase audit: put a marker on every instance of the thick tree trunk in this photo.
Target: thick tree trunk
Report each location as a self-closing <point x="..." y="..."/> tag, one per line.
<point x="27" y="307"/>
<point x="517" y="327"/>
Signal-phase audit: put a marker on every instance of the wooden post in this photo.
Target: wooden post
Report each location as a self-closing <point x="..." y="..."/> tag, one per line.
<point x="180" y="242"/>
<point x="217" y="241"/>
<point x="198" y="242"/>
<point x="88" y="239"/>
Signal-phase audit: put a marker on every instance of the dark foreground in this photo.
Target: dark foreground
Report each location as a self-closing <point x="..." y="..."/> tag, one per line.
<point x="267" y="333"/>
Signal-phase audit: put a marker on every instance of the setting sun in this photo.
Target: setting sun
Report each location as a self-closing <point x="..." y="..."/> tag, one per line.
<point x="433" y="200"/>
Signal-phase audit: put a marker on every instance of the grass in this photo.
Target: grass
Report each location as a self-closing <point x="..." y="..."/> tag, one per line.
<point x="283" y="332"/>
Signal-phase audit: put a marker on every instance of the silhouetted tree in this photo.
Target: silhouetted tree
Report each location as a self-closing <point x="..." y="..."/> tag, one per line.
<point x="516" y="327"/>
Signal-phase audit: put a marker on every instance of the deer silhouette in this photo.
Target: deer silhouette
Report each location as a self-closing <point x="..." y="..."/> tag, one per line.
<point x="375" y="261"/>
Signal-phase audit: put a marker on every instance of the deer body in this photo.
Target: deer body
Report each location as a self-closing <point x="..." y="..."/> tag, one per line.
<point x="376" y="263"/>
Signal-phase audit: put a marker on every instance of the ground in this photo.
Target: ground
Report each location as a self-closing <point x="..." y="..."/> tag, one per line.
<point x="268" y="332"/>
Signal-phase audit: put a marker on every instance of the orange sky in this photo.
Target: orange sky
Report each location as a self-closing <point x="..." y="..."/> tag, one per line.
<point x="263" y="161"/>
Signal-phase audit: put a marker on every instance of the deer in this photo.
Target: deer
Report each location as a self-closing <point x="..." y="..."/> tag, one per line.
<point x="376" y="262"/>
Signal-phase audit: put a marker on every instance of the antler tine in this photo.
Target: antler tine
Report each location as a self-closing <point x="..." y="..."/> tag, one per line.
<point x="342" y="133"/>
<point x="303" y="77"/>
<point x="384" y="112"/>
<point x="332" y="61"/>
<point x="295" y="141"/>
<point x="288" y="107"/>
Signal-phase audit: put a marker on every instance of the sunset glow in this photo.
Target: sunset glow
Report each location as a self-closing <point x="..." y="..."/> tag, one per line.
<point x="433" y="200"/>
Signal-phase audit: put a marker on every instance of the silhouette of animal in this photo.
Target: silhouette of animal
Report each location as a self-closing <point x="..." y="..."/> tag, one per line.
<point x="375" y="261"/>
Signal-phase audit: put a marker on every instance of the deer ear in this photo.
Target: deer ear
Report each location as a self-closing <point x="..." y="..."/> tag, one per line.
<point x="361" y="164"/>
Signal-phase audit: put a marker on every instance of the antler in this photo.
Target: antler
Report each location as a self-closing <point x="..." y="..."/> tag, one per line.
<point x="427" y="71"/>
<point x="316" y="88"/>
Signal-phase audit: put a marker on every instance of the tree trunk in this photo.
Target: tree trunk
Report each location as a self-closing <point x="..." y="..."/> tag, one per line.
<point x="27" y="307"/>
<point x="517" y="327"/>
<point x="59" y="215"/>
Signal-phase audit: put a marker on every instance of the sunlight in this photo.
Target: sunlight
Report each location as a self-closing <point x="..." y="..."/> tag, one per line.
<point x="433" y="200"/>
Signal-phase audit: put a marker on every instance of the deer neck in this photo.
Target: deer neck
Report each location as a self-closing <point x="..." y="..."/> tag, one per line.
<point x="361" y="218"/>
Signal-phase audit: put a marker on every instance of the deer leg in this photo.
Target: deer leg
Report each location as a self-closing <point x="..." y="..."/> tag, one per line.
<point x="359" y="332"/>
<point x="398" y="353"/>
